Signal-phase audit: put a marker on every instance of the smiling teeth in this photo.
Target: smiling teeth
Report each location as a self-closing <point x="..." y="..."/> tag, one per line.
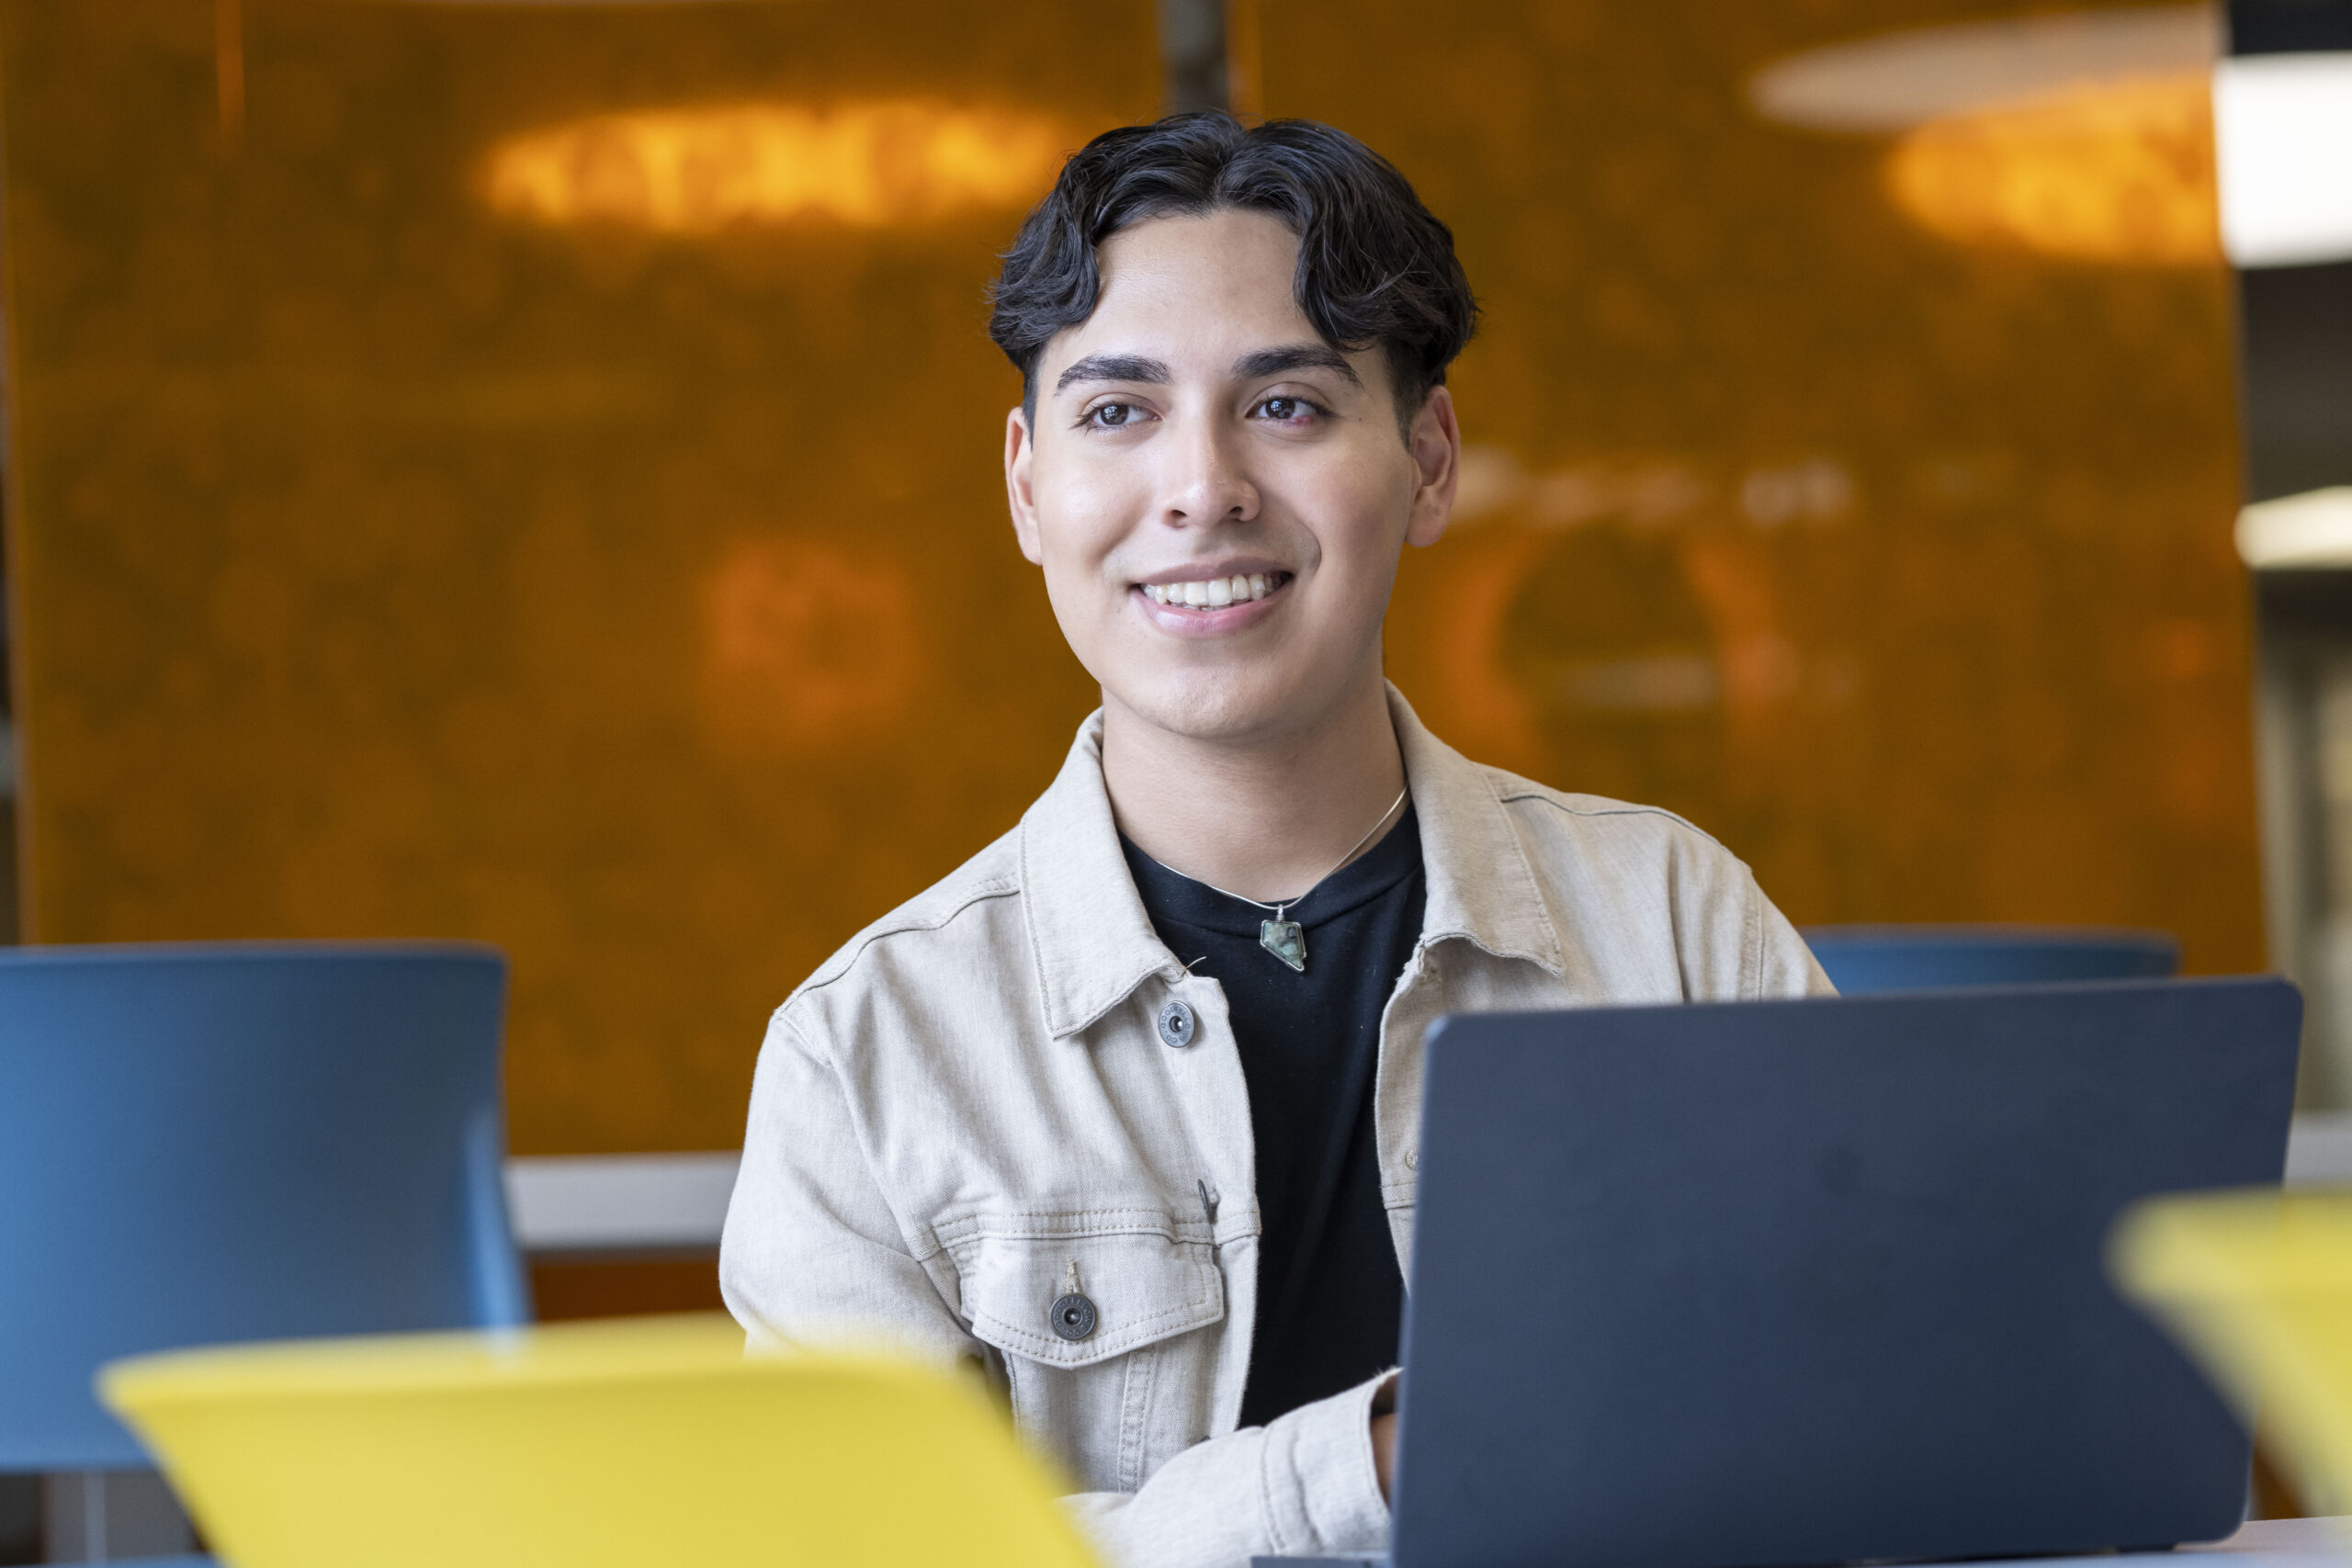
<point x="1216" y="593"/>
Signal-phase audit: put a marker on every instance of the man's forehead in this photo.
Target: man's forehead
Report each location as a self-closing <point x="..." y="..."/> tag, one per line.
<point x="1190" y="289"/>
<point x="1253" y="250"/>
<point x="1210" y="296"/>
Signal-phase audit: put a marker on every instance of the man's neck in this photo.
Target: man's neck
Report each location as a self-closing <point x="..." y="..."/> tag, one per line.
<point x="1266" y="819"/>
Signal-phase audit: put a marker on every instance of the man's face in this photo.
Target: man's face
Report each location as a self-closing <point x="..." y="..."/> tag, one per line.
<point x="1218" y="498"/>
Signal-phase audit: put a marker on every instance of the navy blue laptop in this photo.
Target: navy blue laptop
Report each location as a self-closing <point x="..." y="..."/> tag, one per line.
<point x="1821" y="1281"/>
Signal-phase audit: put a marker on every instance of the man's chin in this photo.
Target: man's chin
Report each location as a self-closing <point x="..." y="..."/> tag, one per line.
<point x="1218" y="711"/>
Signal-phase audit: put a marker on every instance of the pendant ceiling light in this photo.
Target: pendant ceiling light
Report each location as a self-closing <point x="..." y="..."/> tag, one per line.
<point x="2115" y="135"/>
<point x="1897" y="81"/>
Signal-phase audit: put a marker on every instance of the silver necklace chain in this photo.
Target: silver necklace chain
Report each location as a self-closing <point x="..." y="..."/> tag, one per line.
<point x="1285" y="904"/>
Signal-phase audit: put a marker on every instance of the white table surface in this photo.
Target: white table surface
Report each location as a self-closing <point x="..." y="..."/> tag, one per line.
<point x="619" y="1203"/>
<point x="2302" y="1539"/>
<point x="676" y="1203"/>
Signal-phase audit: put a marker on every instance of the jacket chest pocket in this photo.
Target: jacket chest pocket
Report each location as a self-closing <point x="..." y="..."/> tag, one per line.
<point x="1093" y="1329"/>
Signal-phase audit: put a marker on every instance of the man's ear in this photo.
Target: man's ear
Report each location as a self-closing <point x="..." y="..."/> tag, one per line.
<point x="1018" y="452"/>
<point x="1435" y="443"/>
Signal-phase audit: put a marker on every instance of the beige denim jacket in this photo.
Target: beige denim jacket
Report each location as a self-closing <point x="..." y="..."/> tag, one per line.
<point x="971" y="1106"/>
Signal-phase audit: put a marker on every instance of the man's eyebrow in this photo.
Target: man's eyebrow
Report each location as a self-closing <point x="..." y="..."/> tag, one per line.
<point x="1294" y="356"/>
<point x="1114" y="367"/>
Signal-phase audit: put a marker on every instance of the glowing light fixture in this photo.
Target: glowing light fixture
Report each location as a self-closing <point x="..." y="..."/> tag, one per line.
<point x="698" y="170"/>
<point x="2115" y="173"/>
<point x="2284" y="122"/>
<point x="2086" y="134"/>
<point x="2310" y="530"/>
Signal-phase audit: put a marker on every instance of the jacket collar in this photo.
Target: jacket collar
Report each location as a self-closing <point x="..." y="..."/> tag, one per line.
<point x="1093" y="944"/>
<point x="1480" y="886"/>
<point x="1089" y="936"/>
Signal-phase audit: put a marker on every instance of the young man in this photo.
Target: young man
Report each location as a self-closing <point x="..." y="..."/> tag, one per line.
<point x="1123" y="1111"/>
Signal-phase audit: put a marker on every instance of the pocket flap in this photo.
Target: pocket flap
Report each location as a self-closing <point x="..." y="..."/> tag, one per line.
<point x="1141" y="1286"/>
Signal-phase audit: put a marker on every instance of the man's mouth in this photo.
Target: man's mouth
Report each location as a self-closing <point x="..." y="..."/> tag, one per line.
<point x="1216" y="592"/>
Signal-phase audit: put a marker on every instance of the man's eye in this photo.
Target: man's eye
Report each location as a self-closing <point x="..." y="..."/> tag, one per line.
<point x="1282" y="411"/>
<point x="1110" y="415"/>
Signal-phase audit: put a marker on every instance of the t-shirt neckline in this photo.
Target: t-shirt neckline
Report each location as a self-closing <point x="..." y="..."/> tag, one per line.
<point x="1171" y="895"/>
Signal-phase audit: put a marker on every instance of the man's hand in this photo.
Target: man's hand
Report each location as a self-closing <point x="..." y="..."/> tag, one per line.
<point x="1384" y="1450"/>
<point x="1383" y="1436"/>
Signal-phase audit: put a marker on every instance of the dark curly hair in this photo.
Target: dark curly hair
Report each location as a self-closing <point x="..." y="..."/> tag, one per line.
<point x="1374" y="266"/>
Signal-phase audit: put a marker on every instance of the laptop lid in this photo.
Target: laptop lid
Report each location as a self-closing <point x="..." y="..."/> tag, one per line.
<point x="1821" y="1281"/>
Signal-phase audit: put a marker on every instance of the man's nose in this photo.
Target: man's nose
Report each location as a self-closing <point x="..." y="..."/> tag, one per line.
<point x="1207" y="478"/>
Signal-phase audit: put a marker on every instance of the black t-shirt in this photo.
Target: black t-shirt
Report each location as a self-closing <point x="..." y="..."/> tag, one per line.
<point x="1331" y="1300"/>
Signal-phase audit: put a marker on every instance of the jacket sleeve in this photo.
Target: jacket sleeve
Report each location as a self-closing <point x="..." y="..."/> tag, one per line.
<point x="813" y="1256"/>
<point x="1302" y="1485"/>
<point x="1730" y="942"/>
<point x="1780" y="963"/>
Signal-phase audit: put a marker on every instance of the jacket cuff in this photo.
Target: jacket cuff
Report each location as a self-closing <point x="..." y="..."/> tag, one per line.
<point x="1322" y="1494"/>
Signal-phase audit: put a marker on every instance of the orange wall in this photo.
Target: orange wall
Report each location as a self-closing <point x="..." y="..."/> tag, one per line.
<point x="1903" y="565"/>
<point x="391" y="563"/>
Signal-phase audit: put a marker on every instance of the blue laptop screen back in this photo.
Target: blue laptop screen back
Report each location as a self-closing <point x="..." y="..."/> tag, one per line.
<point x="1822" y="1281"/>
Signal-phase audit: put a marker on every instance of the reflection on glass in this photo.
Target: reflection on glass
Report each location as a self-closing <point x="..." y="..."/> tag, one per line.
<point x="698" y="170"/>
<point x="807" y="645"/>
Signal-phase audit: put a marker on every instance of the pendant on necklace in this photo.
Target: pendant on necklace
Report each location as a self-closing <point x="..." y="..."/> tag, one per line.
<point x="1286" y="940"/>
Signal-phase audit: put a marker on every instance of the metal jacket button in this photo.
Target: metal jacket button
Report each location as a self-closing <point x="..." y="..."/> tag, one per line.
<point x="1073" y="1316"/>
<point x="1177" y="1025"/>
